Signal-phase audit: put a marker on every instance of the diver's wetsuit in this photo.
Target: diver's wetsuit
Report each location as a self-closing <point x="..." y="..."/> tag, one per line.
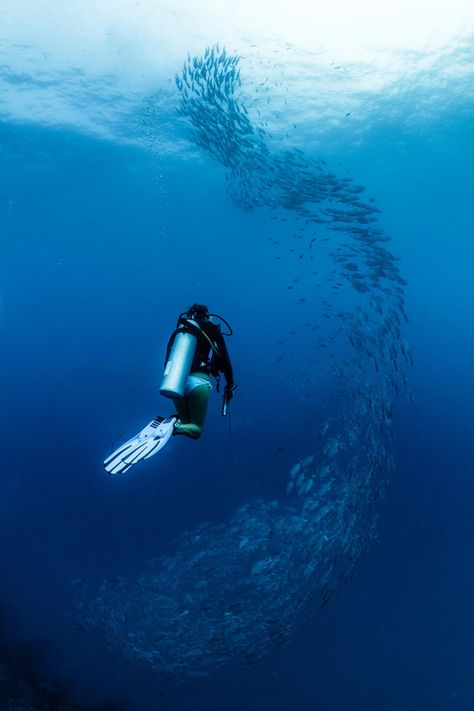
<point x="211" y="358"/>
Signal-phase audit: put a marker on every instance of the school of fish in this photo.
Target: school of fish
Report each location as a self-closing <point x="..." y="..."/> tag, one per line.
<point x="238" y="589"/>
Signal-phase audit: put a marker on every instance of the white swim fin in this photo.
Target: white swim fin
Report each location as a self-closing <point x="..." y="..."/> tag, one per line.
<point x="149" y="441"/>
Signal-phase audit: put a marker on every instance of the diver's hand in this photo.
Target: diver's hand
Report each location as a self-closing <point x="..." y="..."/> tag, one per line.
<point x="229" y="391"/>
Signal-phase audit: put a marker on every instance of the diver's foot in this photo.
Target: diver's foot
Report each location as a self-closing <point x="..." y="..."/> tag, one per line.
<point x="188" y="429"/>
<point x="161" y="425"/>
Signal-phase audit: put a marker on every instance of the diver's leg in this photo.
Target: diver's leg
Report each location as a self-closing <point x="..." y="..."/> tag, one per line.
<point x="182" y="409"/>
<point x="197" y="402"/>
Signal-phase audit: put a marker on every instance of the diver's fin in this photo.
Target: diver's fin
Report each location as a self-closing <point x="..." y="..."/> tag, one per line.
<point x="146" y="443"/>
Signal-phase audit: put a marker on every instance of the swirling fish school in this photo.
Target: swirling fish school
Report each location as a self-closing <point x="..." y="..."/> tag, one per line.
<point x="236" y="590"/>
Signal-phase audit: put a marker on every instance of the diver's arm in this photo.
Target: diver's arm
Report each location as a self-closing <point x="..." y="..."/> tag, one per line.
<point x="225" y="366"/>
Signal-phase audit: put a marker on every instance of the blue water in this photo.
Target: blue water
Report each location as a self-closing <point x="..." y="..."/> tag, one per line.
<point x="103" y="243"/>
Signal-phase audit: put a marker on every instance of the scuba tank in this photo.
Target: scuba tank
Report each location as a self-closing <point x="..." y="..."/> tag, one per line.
<point x="178" y="365"/>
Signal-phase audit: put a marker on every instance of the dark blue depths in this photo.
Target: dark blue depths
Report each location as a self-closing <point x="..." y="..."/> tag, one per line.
<point x="99" y="254"/>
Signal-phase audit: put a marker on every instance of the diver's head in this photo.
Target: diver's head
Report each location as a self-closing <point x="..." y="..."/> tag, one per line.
<point x="198" y="312"/>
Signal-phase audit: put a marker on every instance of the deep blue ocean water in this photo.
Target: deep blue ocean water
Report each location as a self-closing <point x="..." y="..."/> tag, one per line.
<point x="103" y="243"/>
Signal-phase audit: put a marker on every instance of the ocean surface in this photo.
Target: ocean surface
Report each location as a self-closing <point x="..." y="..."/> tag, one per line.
<point x="308" y="176"/>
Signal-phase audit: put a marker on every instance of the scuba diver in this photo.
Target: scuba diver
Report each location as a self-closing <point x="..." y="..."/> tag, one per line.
<point x="195" y="352"/>
<point x="189" y="386"/>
